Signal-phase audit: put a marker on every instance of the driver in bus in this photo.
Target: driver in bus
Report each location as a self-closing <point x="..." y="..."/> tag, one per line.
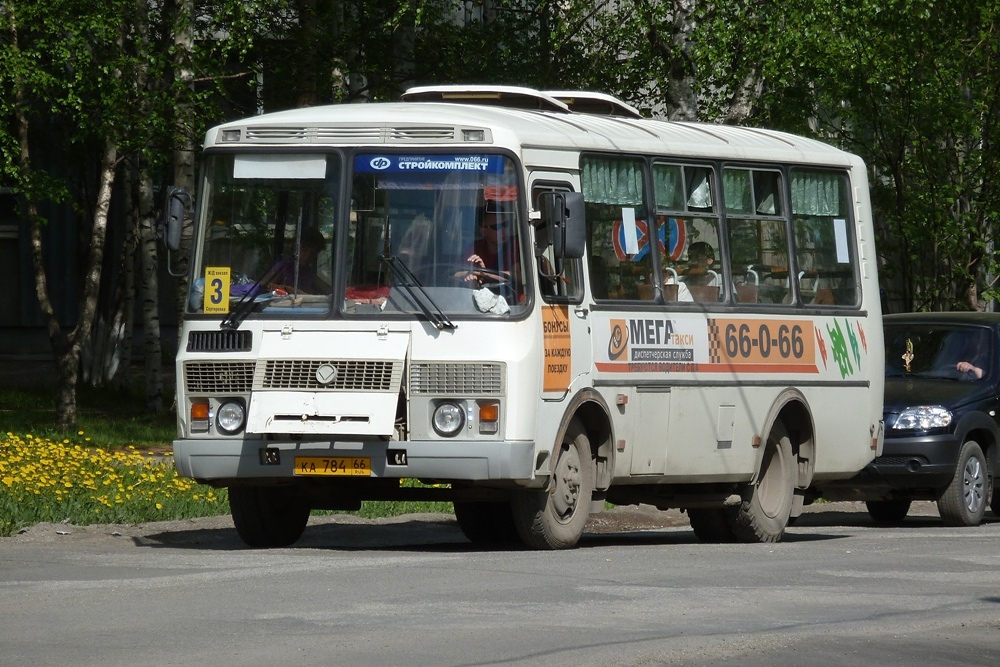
<point x="494" y="248"/>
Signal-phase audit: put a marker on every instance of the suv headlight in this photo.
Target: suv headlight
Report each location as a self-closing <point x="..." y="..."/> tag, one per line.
<point x="923" y="417"/>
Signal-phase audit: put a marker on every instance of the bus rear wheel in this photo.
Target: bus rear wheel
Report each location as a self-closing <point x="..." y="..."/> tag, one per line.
<point x="711" y="525"/>
<point x="268" y="516"/>
<point x="554" y="517"/>
<point x="767" y="503"/>
<point x="489" y="522"/>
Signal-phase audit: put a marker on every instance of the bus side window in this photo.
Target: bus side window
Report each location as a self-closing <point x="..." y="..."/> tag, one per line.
<point x="618" y="225"/>
<point x="558" y="279"/>
<point x="825" y="253"/>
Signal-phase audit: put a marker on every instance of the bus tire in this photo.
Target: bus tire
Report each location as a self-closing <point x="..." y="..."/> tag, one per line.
<point x="963" y="503"/>
<point x="268" y="516"/>
<point x="489" y="522"/>
<point x="888" y="512"/>
<point x="766" y="504"/>
<point x="711" y="525"/>
<point x="554" y="517"/>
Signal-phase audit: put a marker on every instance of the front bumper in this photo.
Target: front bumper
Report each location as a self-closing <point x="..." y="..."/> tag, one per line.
<point x="222" y="460"/>
<point x="915" y="468"/>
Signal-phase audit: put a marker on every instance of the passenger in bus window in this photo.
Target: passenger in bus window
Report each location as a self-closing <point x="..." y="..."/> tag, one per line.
<point x="701" y="257"/>
<point x="699" y="276"/>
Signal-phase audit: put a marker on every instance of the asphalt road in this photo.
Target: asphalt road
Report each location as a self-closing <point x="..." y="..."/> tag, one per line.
<point x="412" y="591"/>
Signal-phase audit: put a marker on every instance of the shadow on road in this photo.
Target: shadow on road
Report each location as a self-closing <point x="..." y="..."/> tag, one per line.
<point x="440" y="533"/>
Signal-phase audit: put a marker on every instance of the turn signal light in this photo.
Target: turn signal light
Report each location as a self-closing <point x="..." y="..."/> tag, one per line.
<point x="489" y="418"/>
<point x="200" y="416"/>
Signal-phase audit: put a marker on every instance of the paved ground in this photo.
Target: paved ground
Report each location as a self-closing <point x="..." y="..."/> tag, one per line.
<point x="356" y="532"/>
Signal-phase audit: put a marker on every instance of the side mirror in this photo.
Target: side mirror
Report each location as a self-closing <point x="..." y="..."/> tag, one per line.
<point x="178" y="201"/>
<point x="563" y="223"/>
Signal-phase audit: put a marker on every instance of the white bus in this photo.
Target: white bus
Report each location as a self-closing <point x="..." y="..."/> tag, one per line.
<point x="530" y="304"/>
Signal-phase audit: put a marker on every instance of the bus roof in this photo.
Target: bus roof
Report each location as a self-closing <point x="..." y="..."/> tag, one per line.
<point x="468" y="124"/>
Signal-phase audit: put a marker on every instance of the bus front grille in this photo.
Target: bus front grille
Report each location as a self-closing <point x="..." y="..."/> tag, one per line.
<point x="467" y="379"/>
<point x="346" y="375"/>
<point x="218" y="377"/>
<point x="224" y="340"/>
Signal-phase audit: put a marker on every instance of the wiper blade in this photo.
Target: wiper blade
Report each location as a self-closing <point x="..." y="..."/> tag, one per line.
<point x="235" y="317"/>
<point x="405" y="278"/>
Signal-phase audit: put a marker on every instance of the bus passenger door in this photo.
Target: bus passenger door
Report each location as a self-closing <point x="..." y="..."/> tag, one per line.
<point x="565" y="317"/>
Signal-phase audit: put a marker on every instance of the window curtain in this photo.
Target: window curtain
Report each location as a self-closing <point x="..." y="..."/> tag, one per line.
<point x="668" y="187"/>
<point x="610" y="181"/>
<point x="816" y="193"/>
<point x="736" y="187"/>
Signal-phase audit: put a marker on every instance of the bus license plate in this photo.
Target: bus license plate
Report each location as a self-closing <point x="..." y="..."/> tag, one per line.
<point x="352" y="466"/>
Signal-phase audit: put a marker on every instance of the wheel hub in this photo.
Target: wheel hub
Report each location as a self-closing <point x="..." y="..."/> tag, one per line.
<point x="974" y="484"/>
<point x="566" y="490"/>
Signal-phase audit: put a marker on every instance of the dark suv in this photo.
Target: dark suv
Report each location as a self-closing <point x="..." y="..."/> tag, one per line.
<point x="941" y="422"/>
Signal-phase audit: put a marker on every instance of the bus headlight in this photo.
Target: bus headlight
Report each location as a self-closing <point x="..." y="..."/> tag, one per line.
<point x="923" y="417"/>
<point x="448" y="419"/>
<point x="231" y="417"/>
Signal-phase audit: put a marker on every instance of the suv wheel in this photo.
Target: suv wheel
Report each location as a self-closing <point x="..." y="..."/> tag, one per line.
<point x="963" y="503"/>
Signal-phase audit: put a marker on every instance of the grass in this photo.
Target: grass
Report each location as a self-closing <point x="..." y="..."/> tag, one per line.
<point x="112" y="418"/>
<point x="71" y="480"/>
<point x="116" y="468"/>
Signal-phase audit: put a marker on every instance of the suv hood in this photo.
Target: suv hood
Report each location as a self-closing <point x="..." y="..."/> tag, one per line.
<point x="903" y="392"/>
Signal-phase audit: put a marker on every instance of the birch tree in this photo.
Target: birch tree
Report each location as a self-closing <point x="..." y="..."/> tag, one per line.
<point x="69" y="77"/>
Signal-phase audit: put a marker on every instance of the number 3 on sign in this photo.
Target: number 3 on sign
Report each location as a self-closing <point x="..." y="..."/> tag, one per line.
<point x="216" y="289"/>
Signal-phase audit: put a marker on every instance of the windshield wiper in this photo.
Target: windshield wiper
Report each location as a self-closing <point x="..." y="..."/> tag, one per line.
<point x="405" y="278"/>
<point x="234" y="317"/>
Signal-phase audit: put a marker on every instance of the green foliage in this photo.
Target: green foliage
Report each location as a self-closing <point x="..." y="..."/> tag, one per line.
<point x="911" y="86"/>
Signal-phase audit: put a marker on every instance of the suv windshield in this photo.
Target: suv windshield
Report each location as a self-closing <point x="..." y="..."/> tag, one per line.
<point x="940" y="351"/>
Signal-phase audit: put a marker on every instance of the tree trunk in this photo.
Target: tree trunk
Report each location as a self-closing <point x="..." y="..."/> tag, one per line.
<point x="150" y="289"/>
<point x="68" y="363"/>
<point x="306" y="53"/>
<point x="62" y="349"/>
<point x="123" y="378"/>
<point x="184" y="153"/>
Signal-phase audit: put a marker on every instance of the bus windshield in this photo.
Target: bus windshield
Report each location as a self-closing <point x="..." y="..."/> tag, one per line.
<point x="427" y="235"/>
<point x="434" y="231"/>
<point x="268" y="225"/>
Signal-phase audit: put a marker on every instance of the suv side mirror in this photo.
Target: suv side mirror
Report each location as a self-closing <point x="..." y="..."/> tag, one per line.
<point x="563" y="223"/>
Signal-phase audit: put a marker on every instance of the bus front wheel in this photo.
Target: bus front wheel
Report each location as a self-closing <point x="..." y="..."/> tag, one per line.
<point x="268" y="516"/>
<point x="486" y="523"/>
<point x="554" y="517"/>
<point x="767" y="502"/>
